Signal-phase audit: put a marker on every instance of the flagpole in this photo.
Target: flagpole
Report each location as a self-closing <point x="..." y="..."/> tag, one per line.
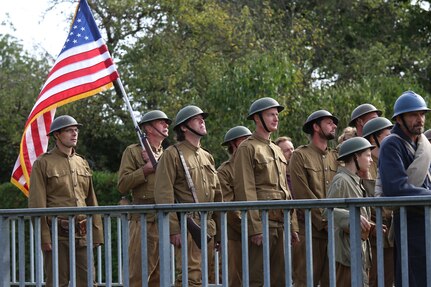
<point x="119" y="88"/>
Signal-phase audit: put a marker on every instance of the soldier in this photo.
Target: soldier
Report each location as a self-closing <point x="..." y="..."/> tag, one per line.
<point x="286" y="145"/>
<point x="404" y="168"/>
<point x="375" y="131"/>
<point x="137" y="175"/>
<point x="312" y="168"/>
<point x="233" y="138"/>
<point x="427" y="133"/>
<point x="260" y="174"/>
<point x="62" y="178"/>
<point x="172" y="184"/>
<point x="361" y="115"/>
<point x="348" y="133"/>
<point x="356" y="155"/>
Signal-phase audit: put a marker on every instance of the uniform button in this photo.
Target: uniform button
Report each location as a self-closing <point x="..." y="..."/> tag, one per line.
<point x="327" y="181"/>
<point x="326" y="168"/>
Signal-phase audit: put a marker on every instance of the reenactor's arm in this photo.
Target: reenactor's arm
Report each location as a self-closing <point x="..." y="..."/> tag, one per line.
<point x="131" y="173"/>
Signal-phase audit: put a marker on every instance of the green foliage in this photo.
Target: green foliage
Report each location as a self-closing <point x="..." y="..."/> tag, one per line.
<point x="223" y="55"/>
<point x="20" y="78"/>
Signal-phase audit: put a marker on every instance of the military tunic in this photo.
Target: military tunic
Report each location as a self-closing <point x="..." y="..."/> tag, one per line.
<point x="131" y="178"/>
<point x="311" y="171"/>
<point x="60" y="180"/>
<point x="347" y="185"/>
<point x="260" y="174"/>
<point x="171" y="186"/>
<point x="226" y="176"/>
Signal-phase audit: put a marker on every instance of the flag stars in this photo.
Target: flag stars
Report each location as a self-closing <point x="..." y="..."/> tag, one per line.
<point x="75" y="27"/>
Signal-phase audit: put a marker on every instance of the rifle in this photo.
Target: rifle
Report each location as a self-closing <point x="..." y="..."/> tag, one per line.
<point x="119" y="88"/>
<point x="192" y="226"/>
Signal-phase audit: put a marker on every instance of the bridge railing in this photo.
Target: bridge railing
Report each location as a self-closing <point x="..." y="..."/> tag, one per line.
<point x="21" y="259"/>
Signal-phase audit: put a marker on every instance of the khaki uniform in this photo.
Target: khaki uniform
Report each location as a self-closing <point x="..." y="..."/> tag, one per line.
<point x="226" y="176"/>
<point x="348" y="185"/>
<point x="59" y="180"/>
<point x="388" y="251"/>
<point x="131" y="178"/>
<point x="171" y="185"/>
<point x="311" y="171"/>
<point x="260" y="174"/>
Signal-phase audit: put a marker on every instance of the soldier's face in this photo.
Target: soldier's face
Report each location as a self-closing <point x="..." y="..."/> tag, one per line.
<point x="161" y="126"/>
<point x="197" y="123"/>
<point x="68" y="136"/>
<point x="364" y="160"/>
<point x="383" y="134"/>
<point x="286" y="148"/>
<point x="366" y="118"/>
<point x="270" y="117"/>
<point x="327" y="128"/>
<point x="414" y="121"/>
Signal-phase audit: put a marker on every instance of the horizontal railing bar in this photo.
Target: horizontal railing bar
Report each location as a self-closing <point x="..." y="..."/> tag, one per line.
<point x="224" y="206"/>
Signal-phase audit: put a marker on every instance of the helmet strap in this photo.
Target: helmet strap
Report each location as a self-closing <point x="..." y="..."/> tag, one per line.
<point x="356" y="163"/>
<point x="193" y="131"/>
<point x="376" y="140"/>
<point x="151" y="124"/>
<point x="263" y="122"/>
<point x="404" y="124"/>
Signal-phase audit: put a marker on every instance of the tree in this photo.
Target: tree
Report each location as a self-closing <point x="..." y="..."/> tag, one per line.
<point x="20" y="82"/>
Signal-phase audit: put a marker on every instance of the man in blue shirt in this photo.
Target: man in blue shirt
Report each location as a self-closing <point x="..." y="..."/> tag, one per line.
<point x="404" y="167"/>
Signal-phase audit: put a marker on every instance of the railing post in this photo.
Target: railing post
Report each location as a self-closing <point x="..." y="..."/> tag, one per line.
<point x="309" y="248"/>
<point x="164" y="245"/>
<point x="355" y="246"/>
<point x="287" y="248"/>
<point x="5" y="263"/>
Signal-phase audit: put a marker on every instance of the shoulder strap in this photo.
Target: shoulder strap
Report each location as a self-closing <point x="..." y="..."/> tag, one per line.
<point x="406" y="143"/>
<point x="188" y="177"/>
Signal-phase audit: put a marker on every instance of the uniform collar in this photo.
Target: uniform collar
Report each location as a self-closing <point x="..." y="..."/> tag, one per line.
<point x="190" y="146"/>
<point x="57" y="151"/>
<point x="255" y="136"/>
<point x="318" y="150"/>
<point x="355" y="177"/>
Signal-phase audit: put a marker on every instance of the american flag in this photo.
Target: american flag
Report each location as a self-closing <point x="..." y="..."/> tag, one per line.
<point x="83" y="68"/>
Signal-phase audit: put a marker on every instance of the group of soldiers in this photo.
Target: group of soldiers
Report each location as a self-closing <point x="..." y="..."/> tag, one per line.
<point x="257" y="169"/>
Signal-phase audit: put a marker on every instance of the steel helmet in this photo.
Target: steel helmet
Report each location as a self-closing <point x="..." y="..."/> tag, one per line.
<point x="307" y="127"/>
<point x="154" y="115"/>
<point x="375" y="125"/>
<point x="361" y="110"/>
<point x="62" y="122"/>
<point x="352" y="146"/>
<point x="187" y="113"/>
<point x="263" y="104"/>
<point x="236" y="132"/>
<point x="409" y="102"/>
<point x="428" y="134"/>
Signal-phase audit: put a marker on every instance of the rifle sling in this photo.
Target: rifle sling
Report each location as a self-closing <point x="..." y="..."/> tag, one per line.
<point x="188" y="177"/>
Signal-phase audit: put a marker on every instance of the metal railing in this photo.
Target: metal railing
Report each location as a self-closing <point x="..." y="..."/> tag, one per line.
<point x="21" y="261"/>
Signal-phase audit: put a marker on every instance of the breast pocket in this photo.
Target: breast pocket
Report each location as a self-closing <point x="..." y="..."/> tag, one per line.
<point x="212" y="179"/>
<point x="82" y="179"/>
<point x="57" y="177"/>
